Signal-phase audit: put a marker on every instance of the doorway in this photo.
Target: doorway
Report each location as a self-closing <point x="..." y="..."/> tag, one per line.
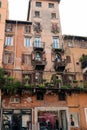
<point x="52" y="120"/>
<point x="16" y="122"/>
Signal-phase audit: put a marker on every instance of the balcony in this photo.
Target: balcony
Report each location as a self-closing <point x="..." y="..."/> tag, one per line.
<point x="39" y="64"/>
<point x="56" y="47"/>
<point x="39" y="46"/>
<point x="59" y="65"/>
<point x="83" y="60"/>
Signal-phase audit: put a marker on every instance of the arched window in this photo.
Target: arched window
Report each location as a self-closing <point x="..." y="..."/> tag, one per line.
<point x="57" y="57"/>
<point x="38" y="56"/>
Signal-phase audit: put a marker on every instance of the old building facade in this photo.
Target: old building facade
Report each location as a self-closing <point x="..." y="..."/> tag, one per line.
<point x="44" y="73"/>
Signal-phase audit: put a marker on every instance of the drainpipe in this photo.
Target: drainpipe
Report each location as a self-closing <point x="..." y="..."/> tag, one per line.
<point x="15" y="45"/>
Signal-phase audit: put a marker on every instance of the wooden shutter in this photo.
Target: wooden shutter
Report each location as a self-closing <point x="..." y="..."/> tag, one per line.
<point x="23" y="60"/>
<point x="52" y="56"/>
<point x="44" y="56"/>
<point x="33" y="55"/>
<point x="12" y="58"/>
<point x="68" y="59"/>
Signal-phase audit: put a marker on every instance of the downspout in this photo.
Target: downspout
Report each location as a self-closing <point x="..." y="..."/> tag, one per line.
<point x="15" y="46"/>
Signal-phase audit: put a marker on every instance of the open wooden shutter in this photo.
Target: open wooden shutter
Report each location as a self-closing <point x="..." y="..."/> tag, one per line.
<point x="52" y="56"/>
<point x="44" y="56"/>
<point x="33" y="55"/>
<point x="23" y="59"/>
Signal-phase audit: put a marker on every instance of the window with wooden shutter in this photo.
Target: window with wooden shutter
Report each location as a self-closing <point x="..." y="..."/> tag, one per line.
<point x="68" y="59"/>
<point x="9" y="27"/>
<point x="8" y="58"/>
<point x="26" y="59"/>
<point x="55" y="28"/>
<point x="27" y="29"/>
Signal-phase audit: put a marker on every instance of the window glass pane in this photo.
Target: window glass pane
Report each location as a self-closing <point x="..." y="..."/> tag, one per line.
<point x="38" y="56"/>
<point x="27" y="42"/>
<point x="8" y="41"/>
<point x="38" y="4"/>
<point x="37" y="13"/>
<point x="51" y="5"/>
<point x="55" y="42"/>
<point x="74" y="120"/>
<point x="53" y="15"/>
<point x="37" y="42"/>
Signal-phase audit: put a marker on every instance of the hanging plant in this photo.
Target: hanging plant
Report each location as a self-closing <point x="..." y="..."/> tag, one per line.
<point x="58" y="80"/>
<point x="83" y="58"/>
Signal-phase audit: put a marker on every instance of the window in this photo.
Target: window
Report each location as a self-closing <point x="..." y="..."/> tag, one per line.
<point x="26" y="78"/>
<point x="22" y="119"/>
<point x="37" y="14"/>
<point x="57" y="57"/>
<point x="14" y="100"/>
<point x="26" y="59"/>
<point x="38" y="4"/>
<point x="27" y="42"/>
<point x="38" y="56"/>
<point x="0" y="4"/>
<point x="70" y="44"/>
<point x="27" y="29"/>
<point x="7" y="74"/>
<point x="51" y="5"/>
<point x="55" y="42"/>
<point x="8" y="58"/>
<point x="40" y="96"/>
<point x="37" y="27"/>
<point x="37" y="42"/>
<point x="74" y="119"/>
<point x="62" y="96"/>
<point x="38" y="77"/>
<point x="8" y="28"/>
<point x="53" y="15"/>
<point x="55" y="28"/>
<point x="9" y="41"/>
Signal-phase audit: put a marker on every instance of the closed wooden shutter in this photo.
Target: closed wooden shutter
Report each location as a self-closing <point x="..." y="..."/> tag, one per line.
<point x="68" y="59"/>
